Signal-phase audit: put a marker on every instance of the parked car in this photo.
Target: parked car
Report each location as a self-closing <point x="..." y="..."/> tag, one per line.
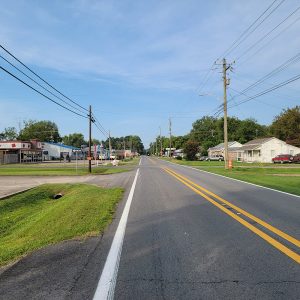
<point x="203" y="158"/>
<point x="215" y="157"/>
<point x="296" y="158"/>
<point x="282" y="158"/>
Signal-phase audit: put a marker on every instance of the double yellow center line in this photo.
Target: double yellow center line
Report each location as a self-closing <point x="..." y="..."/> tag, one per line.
<point x="238" y="216"/>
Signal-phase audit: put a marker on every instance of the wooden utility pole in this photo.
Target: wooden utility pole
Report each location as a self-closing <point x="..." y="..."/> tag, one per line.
<point x="160" y="140"/>
<point x="124" y="147"/>
<point x="225" y="84"/>
<point x="170" y="132"/>
<point x="90" y="139"/>
<point x="109" y="145"/>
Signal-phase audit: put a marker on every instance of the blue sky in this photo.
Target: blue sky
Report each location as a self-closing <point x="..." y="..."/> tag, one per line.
<point x="139" y="62"/>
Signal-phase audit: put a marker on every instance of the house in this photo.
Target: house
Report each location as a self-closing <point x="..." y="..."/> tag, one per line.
<point x="264" y="149"/>
<point x="20" y="151"/>
<point x="234" y="152"/>
<point x="53" y="151"/>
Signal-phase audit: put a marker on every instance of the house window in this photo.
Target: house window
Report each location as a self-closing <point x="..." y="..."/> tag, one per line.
<point x="272" y="153"/>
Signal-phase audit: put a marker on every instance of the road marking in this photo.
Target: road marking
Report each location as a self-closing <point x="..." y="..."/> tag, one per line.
<point x="107" y="282"/>
<point x="245" y="213"/>
<point x="260" y="186"/>
<point x="260" y="233"/>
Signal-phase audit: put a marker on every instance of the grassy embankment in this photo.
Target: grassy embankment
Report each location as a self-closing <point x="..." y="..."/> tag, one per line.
<point x="45" y="169"/>
<point x="285" y="178"/>
<point x="33" y="219"/>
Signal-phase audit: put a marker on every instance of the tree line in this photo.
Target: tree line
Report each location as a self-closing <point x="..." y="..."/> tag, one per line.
<point x="209" y="131"/>
<point x="47" y="131"/>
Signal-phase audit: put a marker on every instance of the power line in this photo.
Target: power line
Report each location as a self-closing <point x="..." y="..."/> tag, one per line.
<point x="101" y="130"/>
<point x="267" y="34"/>
<point x="41" y="78"/>
<point x="38" y="83"/>
<point x="267" y="43"/>
<point x="277" y="70"/>
<point x="290" y="80"/>
<point x="20" y="80"/>
<point x="233" y="45"/>
<point x="96" y="120"/>
<point x="245" y="34"/>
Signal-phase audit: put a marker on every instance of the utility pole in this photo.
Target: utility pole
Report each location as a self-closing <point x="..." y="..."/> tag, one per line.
<point x="160" y="140"/>
<point x="156" y="146"/>
<point x="226" y="82"/>
<point x="170" y="131"/>
<point x="90" y="139"/>
<point x="109" y="145"/>
<point x="124" y="147"/>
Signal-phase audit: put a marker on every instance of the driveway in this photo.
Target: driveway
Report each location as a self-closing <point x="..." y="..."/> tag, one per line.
<point x="15" y="184"/>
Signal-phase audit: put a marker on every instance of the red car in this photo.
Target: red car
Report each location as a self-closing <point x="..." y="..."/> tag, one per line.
<point x="296" y="158"/>
<point x="282" y="158"/>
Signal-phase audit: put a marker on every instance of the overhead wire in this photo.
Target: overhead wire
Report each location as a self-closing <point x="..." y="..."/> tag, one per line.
<point x="37" y="91"/>
<point x="275" y="87"/>
<point x="238" y="41"/>
<point x="46" y="82"/>
<point x="277" y="70"/>
<point x="267" y="34"/>
<point x="245" y="34"/>
<point x="14" y="66"/>
<point x="268" y="42"/>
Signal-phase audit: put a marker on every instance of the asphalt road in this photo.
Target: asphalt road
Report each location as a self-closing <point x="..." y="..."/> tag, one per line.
<point x="181" y="242"/>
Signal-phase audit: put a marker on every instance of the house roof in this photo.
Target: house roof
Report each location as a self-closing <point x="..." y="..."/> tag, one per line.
<point x="221" y="146"/>
<point x="62" y="145"/>
<point x="256" y="143"/>
<point x="259" y="141"/>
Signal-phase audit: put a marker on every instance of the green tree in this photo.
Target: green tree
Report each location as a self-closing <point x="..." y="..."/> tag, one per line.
<point x="95" y="142"/>
<point x="133" y="142"/>
<point x="286" y="126"/>
<point x="45" y="131"/>
<point x="191" y="149"/>
<point x="9" y="133"/>
<point x="74" y="139"/>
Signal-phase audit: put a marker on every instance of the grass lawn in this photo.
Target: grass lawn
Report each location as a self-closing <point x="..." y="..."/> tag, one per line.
<point x="31" y="220"/>
<point x="50" y="170"/>
<point x="285" y="178"/>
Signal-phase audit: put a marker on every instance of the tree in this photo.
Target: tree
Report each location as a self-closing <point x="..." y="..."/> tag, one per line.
<point x="45" y="131"/>
<point x="286" y="126"/>
<point x="74" y="139"/>
<point x="9" y="133"/>
<point x="95" y="142"/>
<point x="132" y="142"/>
<point x="191" y="149"/>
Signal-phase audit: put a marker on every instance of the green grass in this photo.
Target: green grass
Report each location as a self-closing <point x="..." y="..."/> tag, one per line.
<point x="32" y="220"/>
<point x="285" y="178"/>
<point x="57" y="171"/>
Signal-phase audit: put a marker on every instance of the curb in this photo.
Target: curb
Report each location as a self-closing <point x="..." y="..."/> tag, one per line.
<point x="16" y="193"/>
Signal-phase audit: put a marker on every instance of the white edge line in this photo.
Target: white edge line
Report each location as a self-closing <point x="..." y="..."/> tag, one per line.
<point x="264" y="187"/>
<point x="106" y="285"/>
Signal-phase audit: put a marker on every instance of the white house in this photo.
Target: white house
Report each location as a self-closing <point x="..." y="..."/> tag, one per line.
<point x="233" y="148"/>
<point x="264" y="149"/>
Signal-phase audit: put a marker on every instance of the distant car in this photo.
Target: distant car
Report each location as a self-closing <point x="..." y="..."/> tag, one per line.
<point x="282" y="158"/>
<point x="296" y="158"/>
<point x="202" y="158"/>
<point x="215" y="158"/>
